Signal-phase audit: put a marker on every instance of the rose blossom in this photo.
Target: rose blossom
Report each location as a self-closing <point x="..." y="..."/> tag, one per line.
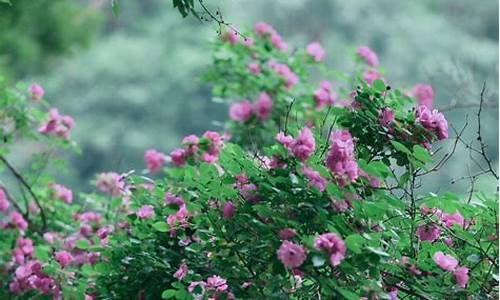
<point x="291" y="255"/>
<point x="316" y="51"/>
<point x="445" y="262"/>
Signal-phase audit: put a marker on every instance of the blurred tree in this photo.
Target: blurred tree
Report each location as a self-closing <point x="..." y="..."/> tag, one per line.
<point x="34" y="33"/>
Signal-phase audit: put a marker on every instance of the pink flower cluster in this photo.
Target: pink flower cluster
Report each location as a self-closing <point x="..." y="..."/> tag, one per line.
<point x="212" y="145"/>
<point x="424" y="94"/>
<point x="428" y="233"/>
<point x="110" y="183"/>
<point x="180" y="218"/>
<point x="154" y="160"/>
<point x="228" y="210"/>
<point x="333" y="245"/>
<point x="36" y="92"/>
<point x="291" y="255"/>
<point x="370" y="76"/>
<point x="17" y="221"/>
<point x="146" y="212"/>
<point x="434" y="121"/>
<point x="368" y="55"/>
<point x="284" y="71"/>
<point x="324" y="96"/>
<point x="61" y="192"/>
<point x="302" y="147"/>
<point x="315" y="179"/>
<point x="266" y="30"/>
<point x="386" y="116"/>
<point x="181" y="272"/>
<point x="254" y="68"/>
<point x="4" y="202"/>
<point x="450" y="264"/>
<point x="243" y="111"/>
<point x="248" y="190"/>
<point x="57" y="125"/>
<point x="446" y="219"/>
<point x="215" y="287"/>
<point x="340" y="159"/>
<point x="316" y="51"/>
<point x="29" y="276"/>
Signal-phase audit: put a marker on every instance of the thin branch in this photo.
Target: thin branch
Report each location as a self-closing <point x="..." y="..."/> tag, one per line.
<point x="21" y="179"/>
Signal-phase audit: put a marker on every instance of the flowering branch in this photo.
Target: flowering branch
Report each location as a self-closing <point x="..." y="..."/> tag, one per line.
<point x="23" y="181"/>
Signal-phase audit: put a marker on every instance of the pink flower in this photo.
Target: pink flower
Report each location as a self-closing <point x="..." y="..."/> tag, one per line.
<point x="64" y="258"/>
<point x="228" y="210"/>
<point x="263" y="106"/>
<point x="154" y="160"/>
<point x="448" y="242"/>
<point x="341" y="145"/>
<point x="62" y="193"/>
<point x="370" y="76"/>
<point x="428" y="233"/>
<point x="181" y="272"/>
<point x="445" y="262"/>
<point x="18" y="221"/>
<point x="172" y="199"/>
<point x="368" y="56"/>
<point x="50" y="237"/>
<point x="393" y="294"/>
<point x="4" y="202"/>
<point x="386" y="116"/>
<point x="278" y="42"/>
<point x="324" y="95"/>
<point x="36" y="92"/>
<point x="424" y="94"/>
<point x="25" y="245"/>
<point x="216" y="283"/>
<point x="303" y="147"/>
<point x="291" y="255"/>
<point x="262" y="28"/>
<point x="248" y="42"/>
<point x="286" y="73"/>
<point x="178" y="157"/>
<point x="433" y="121"/>
<point x="285" y="140"/>
<point x="254" y="68"/>
<point x="57" y="125"/>
<point x="333" y="245"/>
<point x="146" y="212"/>
<point x="241" y="111"/>
<point x="454" y="219"/>
<point x="216" y="142"/>
<point x="461" y="276"/>
<point x="316" y="51"/>
<point x="315" y="179"/>
<point x="287" y="233"/>
<point x="110" y="183"/>
<point x="231" y="36"/>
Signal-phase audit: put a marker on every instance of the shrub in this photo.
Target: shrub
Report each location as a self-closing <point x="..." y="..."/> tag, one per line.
<point x="311" y="192"/>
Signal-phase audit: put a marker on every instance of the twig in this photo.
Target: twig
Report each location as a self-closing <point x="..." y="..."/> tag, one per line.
<point x="21" y="179"/>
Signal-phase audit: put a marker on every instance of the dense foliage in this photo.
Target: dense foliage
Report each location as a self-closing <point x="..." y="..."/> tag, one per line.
<point x="311" y="192"/>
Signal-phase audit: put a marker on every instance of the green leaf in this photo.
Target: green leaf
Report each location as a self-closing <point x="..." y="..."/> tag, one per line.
<point x="378" y="251"/>
<point x="379" y="85"/>
<point x="421" y="154"/>
<point x="160" y="226"/>
<point x="115" y="7"/>
<point x="42" y="252"/>
<point x="354" y="243"/>
<point x="82" y="244"/>
<point x="347" y="294"/>
<point x="168" y="294"/>
<point x="400" y="147"/>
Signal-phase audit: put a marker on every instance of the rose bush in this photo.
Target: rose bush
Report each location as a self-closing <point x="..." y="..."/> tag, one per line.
<point x="311" y="191"/>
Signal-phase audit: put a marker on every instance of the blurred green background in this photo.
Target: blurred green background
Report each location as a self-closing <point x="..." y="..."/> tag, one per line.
<point x="132" y="81"/>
